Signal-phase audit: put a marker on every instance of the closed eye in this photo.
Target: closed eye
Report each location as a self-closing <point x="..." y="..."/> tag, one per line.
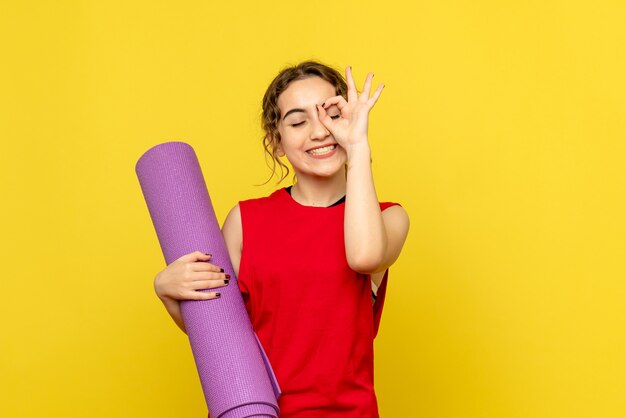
<point x="335" y="117"/>
<point x="297" y="124"/>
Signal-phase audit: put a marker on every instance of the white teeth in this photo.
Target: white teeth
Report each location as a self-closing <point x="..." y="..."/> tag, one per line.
<point x="322" y="151"/>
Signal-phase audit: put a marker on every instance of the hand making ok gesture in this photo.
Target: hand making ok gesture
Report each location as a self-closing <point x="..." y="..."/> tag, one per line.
<point x="351" y="128"/>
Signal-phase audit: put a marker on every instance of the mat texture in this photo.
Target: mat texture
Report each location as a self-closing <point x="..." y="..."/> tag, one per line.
<point x="235" y="374"/>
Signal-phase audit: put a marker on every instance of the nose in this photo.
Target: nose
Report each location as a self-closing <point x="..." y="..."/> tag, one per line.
<point x="318" y="130"/>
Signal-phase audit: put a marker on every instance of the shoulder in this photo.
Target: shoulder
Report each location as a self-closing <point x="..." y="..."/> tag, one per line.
<point x="232" y="225"/>
<point x="396" y="221"/>
<point x="234" y="216"/>
<point x="233" y="236"/>
<point x="242" y="211"/>
<point x="277" y="195"/>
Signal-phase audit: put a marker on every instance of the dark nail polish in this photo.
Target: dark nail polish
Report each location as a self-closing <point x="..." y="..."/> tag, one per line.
<point x="221" y="270"/>
<point x="226" y="281"/>
<point x="208" y="254"/>
<point x="323" y="104"/>
<point x="228" y="276"/>
<point x="218" y="295"/>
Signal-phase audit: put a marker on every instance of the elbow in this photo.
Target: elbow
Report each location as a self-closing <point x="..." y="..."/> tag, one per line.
<point x="365" y="263"/>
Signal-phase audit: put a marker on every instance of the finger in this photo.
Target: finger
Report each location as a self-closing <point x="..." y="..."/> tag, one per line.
<point x="195" y="256"/>
<point x="339" y="101"/>
<point x="365" y="94"/>
<point x="324" y="118"/>
<point x="205" y="266"/>
<point x="195" y="295"/>
<point x="207" y="284"/>
<point x="352" y="93"/>
<point x="204" y="275"/>
<point x="372" y="101"/>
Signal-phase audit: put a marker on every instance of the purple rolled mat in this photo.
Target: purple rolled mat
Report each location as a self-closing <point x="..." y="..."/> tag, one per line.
<point x="234" y="371"/>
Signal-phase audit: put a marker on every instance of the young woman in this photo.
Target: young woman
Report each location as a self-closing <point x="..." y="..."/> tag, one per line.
<point x="309" y="256"/>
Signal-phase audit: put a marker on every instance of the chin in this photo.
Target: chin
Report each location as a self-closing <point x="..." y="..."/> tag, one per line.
<point x="330" y="172"/>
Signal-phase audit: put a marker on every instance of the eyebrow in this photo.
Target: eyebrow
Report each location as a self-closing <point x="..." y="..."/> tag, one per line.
<point x="293" y="111"/>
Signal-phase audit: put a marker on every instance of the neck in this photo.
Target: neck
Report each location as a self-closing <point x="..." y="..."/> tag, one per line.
<point x="319" y="191"/>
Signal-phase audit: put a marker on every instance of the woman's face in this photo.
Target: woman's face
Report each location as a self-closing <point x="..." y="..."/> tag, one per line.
<point x="308" y="145"/>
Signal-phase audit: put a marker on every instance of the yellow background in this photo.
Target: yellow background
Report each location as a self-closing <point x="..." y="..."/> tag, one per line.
<point x="501" y="131"/>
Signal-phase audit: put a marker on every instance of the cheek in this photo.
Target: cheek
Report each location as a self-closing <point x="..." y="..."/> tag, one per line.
<point x="291" y="138"/>
<point x="343" y="156"/>
<point x="285" y="146"/>
<point x="285" y="134"/>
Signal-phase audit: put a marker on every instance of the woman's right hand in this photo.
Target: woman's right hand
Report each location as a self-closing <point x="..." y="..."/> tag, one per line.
<point x="185" y="277"/>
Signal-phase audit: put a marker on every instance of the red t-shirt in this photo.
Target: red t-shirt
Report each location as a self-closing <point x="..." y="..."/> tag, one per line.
<point x="312" y="313"/>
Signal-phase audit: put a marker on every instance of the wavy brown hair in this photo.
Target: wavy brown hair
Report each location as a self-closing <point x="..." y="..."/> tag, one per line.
<point x="270" y="116"/>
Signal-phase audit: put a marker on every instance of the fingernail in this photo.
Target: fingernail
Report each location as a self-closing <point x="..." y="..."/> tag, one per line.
<point x="221" y="270"/>
<point x="228" y="276"/>
<point x="217" y="295"/>
<point x="323" y="104"/>
<point x="208" y="254"/>
<point x="226" y="281"/>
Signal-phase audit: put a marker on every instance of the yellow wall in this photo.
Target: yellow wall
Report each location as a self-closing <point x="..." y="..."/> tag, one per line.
<point x="501" y="130"/>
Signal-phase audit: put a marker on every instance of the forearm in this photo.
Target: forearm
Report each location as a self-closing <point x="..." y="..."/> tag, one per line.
<point x="364" y="231"/>
<point x="173" y="308"/>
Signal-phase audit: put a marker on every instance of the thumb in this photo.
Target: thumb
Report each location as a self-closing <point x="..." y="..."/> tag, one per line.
<point x="195" y="256"/>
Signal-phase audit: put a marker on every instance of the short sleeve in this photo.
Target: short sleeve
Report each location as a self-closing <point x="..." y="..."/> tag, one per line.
<point x="385" y="205"/>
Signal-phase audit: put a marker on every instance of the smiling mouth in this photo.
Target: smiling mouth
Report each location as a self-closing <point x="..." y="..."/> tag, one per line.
<point x="323" y="150"/>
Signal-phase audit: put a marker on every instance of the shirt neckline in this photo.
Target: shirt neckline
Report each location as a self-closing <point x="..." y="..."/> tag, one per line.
<point x="287" y="193"/>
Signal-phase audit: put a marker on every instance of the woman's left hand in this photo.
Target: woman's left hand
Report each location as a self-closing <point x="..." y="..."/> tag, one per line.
<point x="351" y="128"/>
